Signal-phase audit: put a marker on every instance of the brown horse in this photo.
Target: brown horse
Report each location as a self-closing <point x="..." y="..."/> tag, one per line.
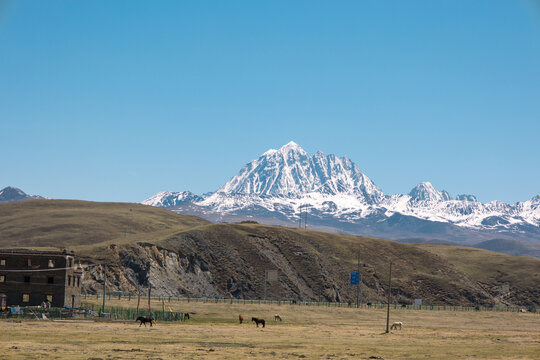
<point x="240" y="318"/>
<point x="258" y="321"/>
<point x="144" y="320"/>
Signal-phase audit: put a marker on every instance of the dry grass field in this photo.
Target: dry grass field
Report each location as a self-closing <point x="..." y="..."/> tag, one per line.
<point x="82" y="225"/>
<point x="307" y="332"/>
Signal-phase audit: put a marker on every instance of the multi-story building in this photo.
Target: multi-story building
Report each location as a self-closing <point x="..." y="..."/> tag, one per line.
<point x="29" y="278"/>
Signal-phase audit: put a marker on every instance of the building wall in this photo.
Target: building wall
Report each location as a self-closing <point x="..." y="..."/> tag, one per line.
<point x="72" y="289"/>
<point x="39" y="285"/>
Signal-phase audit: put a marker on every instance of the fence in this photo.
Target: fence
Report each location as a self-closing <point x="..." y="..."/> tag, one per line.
<point x="90" y="312"/>
<point x="32" y="312"/>
<point x="187" y="299"/>
<point x="123" y="313"/>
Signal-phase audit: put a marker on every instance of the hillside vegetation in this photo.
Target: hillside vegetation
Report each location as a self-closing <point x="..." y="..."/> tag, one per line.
<point x="185" y="255"/>
<point x="72" y="223"/>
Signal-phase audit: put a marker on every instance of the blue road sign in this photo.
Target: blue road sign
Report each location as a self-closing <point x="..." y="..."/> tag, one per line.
<point x="354" y="278"/>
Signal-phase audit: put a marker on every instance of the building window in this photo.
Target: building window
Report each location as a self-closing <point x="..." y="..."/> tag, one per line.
<point x="69" y="262"/>
<point x="69" y="280"/>
<point x="2" y="262"/>
<point x="29" y="262"/>
<point x="50" y="280"/>
<point x="2" y="278"/>
<point x="49" y="298"/>
<point x="25" y="297"/>
<point x="51" y="263"/>
<point x="78" y="281"/>
<point x="27" y="279"/>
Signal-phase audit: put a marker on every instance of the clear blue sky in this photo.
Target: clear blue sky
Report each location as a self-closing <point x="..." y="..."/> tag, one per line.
<point x="117" y="100"/>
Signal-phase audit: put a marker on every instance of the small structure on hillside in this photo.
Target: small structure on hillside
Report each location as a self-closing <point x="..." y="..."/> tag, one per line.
<point x="30" y="278"/>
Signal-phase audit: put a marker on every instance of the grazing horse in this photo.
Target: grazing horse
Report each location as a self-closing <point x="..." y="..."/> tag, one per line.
<point x="258" y="321"/>
<point x="396" y="325"/>
<point x="240" y="319"/>
<point x="186" y="316"/>
<point x="277" y="317"/>
<point x="144" y="320"/>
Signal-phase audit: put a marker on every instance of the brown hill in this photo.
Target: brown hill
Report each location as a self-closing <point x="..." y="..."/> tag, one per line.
<point x="71" y="223"/>
<point x="185" y="255"/>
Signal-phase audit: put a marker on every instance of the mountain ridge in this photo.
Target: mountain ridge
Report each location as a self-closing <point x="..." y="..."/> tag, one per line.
<point x="10" y="193"/>
<point x="287" y="184"/>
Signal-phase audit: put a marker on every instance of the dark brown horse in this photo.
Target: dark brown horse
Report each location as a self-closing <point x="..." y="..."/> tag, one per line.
<point x="240" y="318"/>
<point x="144" y="320"/>
<point x="258" y="321"/>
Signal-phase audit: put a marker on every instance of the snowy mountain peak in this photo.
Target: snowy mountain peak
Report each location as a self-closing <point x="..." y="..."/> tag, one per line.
<point x="170" y="199"/>
<point x="425" y="191"/>
<point x="291" y="145"/>
<point x="290" y="171"/>
<point x="288" y="152"/>
<point x="465" y="197"/>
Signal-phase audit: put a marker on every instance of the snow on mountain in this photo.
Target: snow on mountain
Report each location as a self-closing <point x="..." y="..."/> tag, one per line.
<point x="426" y="192"/>
<point x="169" y="199"/>
<point x="287" y="179"/>
<point x="291" y="172"/>
<point x="288" y="182"/>
<point x="465" y="197"/>
<point x="10" y="193"/>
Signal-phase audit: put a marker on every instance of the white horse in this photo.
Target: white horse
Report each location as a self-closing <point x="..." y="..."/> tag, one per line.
<point x="396" y="325"/>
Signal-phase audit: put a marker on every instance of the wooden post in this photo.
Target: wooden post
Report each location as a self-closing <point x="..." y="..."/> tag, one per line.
<point x="163" y="305"/>
<point x="358" y="290"/>
<point x="104" y="287"/>
<point x="138" y="302"/>
<point x="149" y="295"/>
<point x="389" y="299"/>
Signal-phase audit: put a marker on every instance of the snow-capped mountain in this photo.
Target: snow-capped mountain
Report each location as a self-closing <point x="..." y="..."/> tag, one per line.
<point x="10" y="193"/>
<point x="169" y="199"/>
<point x="287" y="185"/>
<point x="291" y="172"/>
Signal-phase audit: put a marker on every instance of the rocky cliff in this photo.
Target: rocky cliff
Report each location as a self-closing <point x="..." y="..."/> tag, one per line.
<point x="229" y="260"/>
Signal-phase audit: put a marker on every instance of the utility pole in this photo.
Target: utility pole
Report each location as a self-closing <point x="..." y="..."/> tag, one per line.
<point x="389" y="298"/>
<point x="265" y="271"/>
<point x="163" y="304"/>
<point x="359" y="283"/>
<point x="104" y="287"/>
<point x="300" y="218"/>
<point x="305" y="220"/>
<point x="138" y="300"/>
<point x="149" y="295"/>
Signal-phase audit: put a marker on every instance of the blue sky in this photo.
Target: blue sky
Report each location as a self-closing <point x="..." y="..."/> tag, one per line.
<point x="115" y="101"/>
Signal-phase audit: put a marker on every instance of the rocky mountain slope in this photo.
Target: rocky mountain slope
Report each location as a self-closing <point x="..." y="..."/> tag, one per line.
<point x="10" y="193"/>
<point x="229" y="260"/>
<point x="287" y="186"/>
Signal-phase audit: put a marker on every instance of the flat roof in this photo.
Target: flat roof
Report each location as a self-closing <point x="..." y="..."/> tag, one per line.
<point x="34" y="252"/>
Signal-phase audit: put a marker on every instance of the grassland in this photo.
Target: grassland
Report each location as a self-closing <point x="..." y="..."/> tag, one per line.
<point x="85" y="225"/>
<point x="306" y="332"/>
<point x="488" y="267"/>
